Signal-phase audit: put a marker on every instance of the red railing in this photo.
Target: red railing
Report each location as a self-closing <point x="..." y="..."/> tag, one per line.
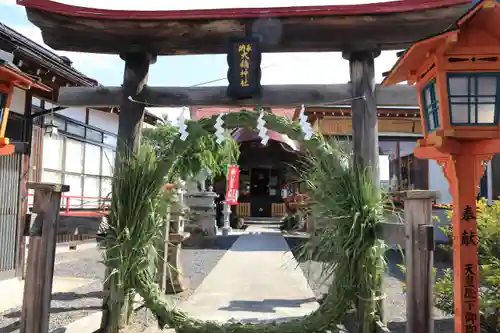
<point x="72" y="205"/>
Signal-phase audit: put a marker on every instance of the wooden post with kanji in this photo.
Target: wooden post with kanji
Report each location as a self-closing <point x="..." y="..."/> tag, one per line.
<point x="463" y="172"/>
<point x="457" y="75"/>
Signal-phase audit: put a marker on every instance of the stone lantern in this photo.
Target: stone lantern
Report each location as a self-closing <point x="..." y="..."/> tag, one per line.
<point x="457" y="76"/>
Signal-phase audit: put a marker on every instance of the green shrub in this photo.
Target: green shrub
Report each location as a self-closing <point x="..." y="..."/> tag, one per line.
<point x="488" y="223"/>
<point x="291" y="222"/>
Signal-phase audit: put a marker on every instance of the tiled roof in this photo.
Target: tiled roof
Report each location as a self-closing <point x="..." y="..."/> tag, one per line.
<point x="205" y="112"/>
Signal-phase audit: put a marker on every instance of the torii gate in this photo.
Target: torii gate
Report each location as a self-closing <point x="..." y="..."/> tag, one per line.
<point x="360" y="32"/>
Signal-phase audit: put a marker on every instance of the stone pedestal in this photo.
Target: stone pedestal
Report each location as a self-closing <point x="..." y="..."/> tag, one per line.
<point x="176" y="282"/>
<point x="203" y="209"/>
<point x="310" y="224"/>
<point x="226" y="229"/>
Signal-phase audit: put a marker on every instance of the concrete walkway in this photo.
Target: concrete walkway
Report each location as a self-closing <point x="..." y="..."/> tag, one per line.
<point x="257" y="280"/>
<point x="12" y="291"/>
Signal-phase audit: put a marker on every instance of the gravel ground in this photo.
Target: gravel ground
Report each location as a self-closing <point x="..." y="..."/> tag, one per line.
<point x="198" y="258"/>
<point x="67" y="307"/>
<point x="395" y="303"/>
<point x="197" y="262"/>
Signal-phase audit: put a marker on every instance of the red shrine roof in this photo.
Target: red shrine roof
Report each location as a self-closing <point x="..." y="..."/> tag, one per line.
<point x="205" y="112"/>
<point x="243" y="134"/>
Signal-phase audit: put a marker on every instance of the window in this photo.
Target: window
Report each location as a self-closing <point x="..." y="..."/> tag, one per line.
<point x="431" y="106"/>
<point x="51" y="177"/>
<point x="92" y="159"/>
<point x="108" y="162"/>
<point x="78" y="157"/>
<point x="74" y="156"/>
<point x="52" y="152"/>
<point x="91" y="188"/>
<point x="110" y="140"/>
<point x="94" y="135"/>
<point x="106" y="187"/>
<point x="75" y="189"/>
<point x="473" y="98"/>
<point x="75" y="129"/>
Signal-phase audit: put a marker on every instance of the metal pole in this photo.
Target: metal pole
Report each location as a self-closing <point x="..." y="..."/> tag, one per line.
<point x="226" y="229"/>
<point x="489" y="182"/>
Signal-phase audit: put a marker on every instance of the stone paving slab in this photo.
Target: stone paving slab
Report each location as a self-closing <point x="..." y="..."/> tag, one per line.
<point x="12" y="290"/>
<point x="258" y="279"/>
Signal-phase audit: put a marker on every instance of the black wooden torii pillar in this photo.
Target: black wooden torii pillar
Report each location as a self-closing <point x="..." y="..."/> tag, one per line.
<point x="135" y="78"/>
<point x="364" y="109"/>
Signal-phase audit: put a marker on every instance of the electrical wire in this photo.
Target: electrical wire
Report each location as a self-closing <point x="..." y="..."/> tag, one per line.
<point x="340" y="101"/>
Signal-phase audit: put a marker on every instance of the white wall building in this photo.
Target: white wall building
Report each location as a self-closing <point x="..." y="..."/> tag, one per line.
<point x="82" y="155"/>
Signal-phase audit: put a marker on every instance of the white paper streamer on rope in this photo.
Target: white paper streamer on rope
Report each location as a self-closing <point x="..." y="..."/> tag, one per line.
<point x="261" y="126"/>
<point x="219" y="130"/>
<point x="181" y="123"/>
<point x="304" y="124"/>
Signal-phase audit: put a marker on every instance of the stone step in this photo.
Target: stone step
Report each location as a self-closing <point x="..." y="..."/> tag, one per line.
<point x="262" y="220"/>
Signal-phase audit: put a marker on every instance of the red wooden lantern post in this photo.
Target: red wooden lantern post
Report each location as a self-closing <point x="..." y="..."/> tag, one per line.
<point x="458" y="76"/>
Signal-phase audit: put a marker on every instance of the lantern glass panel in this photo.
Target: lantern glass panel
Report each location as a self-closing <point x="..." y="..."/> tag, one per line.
<point x="460" y="114"/>
<point x="459" y="86"/>
<point x="486" y="113"/>
<point x="430" y="106"/>
<point x="473" y="98"/>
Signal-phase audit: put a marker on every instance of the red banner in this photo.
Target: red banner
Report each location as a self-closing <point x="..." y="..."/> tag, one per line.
<point x="232" y="185"/>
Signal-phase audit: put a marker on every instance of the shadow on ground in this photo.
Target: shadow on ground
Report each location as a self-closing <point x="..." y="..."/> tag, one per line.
<point x="440" y="326"/>
<point x="267" y="321"/>
<point x="266" y="241"/>
<point x="17" y="314"/>
<point x="198" y="241"/>
<point x="70" y="296"/>
<point x="394" y="258"/>
<point x="267" y="305"/>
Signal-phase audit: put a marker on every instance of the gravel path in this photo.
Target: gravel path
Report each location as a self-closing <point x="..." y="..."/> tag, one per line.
<point x="395" y="303"/>
<point x="80" y="302"/>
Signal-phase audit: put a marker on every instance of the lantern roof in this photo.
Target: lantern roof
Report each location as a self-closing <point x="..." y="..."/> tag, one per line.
<point x="19" y="78"/>
<point x="481" y="16"/>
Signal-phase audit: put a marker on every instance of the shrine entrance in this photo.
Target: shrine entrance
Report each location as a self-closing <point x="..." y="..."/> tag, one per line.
<point x="264" y="170"/>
